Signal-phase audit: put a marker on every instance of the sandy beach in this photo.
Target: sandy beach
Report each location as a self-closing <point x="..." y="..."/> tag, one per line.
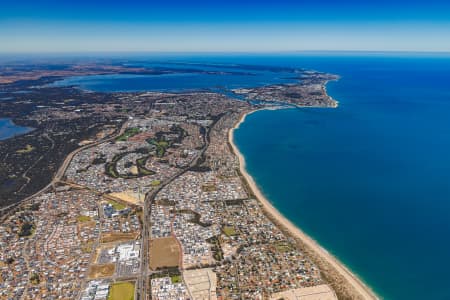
<point x="342" y="280"/>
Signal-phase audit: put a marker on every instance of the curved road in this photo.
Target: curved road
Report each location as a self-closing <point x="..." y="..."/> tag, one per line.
<point x="62" y="169"/>
<point x="142" y="288"/>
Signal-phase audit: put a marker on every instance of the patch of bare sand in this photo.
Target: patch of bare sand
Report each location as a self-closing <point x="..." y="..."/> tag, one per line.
<point x="164" y="252"/>
<point x="129" y="197"/>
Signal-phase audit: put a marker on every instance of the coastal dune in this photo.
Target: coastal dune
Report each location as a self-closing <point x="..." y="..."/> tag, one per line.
<point x="342" y="280"/>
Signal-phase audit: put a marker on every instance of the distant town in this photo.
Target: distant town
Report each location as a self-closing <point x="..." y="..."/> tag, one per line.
<point x="142" y="196"/>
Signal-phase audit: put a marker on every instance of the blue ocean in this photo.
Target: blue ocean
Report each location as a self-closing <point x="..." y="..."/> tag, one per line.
<point x="369" y="180"/>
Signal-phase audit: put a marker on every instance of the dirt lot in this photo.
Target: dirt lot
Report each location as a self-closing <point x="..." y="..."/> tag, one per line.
<point x="118" y="237"/>
<point x="164" y="252"/>
<point x="129" y="197"/>
<point x="105" y="270"/>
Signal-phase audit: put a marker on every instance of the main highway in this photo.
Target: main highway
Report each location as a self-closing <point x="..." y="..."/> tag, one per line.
<point x="142" y="285"/>
<point x="61" y="171"/>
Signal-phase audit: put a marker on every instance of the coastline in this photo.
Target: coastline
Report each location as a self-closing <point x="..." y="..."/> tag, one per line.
<point x="354" y="286"/>
<point x="8" y="124"/>
<point x="324" y="88"/>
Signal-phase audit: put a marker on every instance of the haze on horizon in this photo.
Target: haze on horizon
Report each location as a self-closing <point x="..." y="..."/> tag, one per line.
<point x="256" y="26"/>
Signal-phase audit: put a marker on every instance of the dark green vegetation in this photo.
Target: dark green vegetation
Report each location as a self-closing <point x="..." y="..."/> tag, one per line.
<point x="142" y="170"/>
<point x="195" y="217"/>
<point x="160" y="143"/>
<point x="175" y="279"/>
<point x="26" y="229"/>
<point x="161" y="146"/>
<point x="110" y="170"/>
<point x="216" y="248"/>
<point x="111" y="167"/>
<point x="34" y="278"/>
<point x="9" y="260"/>
<point x="35" y="206"/>
<point x="99" y="160"/>
<point x="29" y="161"/>
<point x="172" y="272"/>
<point x="127" y="134"/>
<point x="167" y="272"/>
<point x="164" y="140"/>
<point x="234" y="202"/>
<point x="209" y="188"/>
<point x="166" y="202"/>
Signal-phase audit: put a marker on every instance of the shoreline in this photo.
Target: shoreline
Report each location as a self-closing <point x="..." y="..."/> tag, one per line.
<point x="324" y="87"/>
<point x="318" y="252"/>
<point x="9" y="124"/>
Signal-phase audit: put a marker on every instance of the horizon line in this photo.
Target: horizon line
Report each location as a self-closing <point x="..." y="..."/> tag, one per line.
<point x="218" y="52"/>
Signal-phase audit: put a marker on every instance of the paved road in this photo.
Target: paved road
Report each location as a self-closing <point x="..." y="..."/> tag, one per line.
<point x="142" y="287"/>
<point x="62" y="169"/>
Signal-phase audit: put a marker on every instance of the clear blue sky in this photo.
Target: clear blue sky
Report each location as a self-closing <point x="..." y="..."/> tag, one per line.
<point x="190" y="25"/>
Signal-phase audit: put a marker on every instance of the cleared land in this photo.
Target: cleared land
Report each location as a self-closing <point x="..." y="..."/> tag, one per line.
<point x="318" y="292"/>
<point x="86" y="247"/>
<point x="98" y="271"/>
<point x="201" y="283"/>
<point x="134" y="170"/>
<point x="118" y="237"/>
<point x="129" y="197"/>
<point x="122" y="291"/>
<point x="164" y="252"/>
